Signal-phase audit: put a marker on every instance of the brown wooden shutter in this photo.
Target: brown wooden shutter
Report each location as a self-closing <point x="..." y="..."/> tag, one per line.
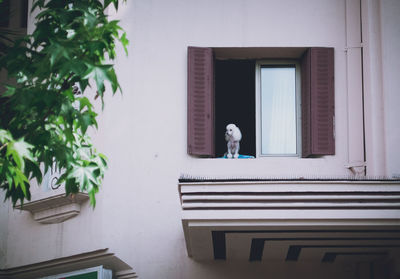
<point x="200" y="102"/>
<point x="318" y="102"/>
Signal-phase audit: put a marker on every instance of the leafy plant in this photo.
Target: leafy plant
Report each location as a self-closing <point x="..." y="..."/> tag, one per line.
<point x="44" y="110"/>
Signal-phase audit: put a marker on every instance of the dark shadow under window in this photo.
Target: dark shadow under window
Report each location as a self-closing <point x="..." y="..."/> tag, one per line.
<point x="5" y="13"/>
<point x="235" y="103"/>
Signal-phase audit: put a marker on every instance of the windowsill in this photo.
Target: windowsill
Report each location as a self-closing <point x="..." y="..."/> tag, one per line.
<point x="265" y="157"/>
<point x="240" y="157"/>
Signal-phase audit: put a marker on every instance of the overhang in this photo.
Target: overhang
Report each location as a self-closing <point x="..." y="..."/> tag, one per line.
<point x="291" y="220"/>
<point x="103" y="257"/>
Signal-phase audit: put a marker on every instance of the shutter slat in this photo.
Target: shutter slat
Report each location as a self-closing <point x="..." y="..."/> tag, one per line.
<point x="200" y="102"/>
<point x="318" y="102"/>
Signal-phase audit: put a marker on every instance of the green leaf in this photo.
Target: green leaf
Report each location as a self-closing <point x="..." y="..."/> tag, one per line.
<point x="37" y="4"/>
<point x="69" y="94"/>
<point x="33" y="169"/>
<point x="24" y="149"/>
<point x="9" y="92"/>
<point x="103" y="159"/>
<point x="83" y="176"/>
<point x="9" y="179"/>
<point x="92" y="198"/>
<point x="99" y="73"/>
<point x="84" y="102"/>
<point x="20" y="180"/>
<point x="85" y="121"/>
<point x="113" y="79"/>
<point x="20" y="150"/>
<point x="78" y="67"/>
<point x="5" y="135"/>
<point x="90" y="19"/>
<point x="108" y="2"/>
<point x="125" y="42"/>
<point x="56" y="52"/>
<point x="69" y="135"/>
<point x="101" y="163"/>
<point x="71" y="186"/>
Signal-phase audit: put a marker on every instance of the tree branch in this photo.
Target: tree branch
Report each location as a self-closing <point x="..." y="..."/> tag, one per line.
<point x="66" y="82"/>
<point x="4" y="145"/>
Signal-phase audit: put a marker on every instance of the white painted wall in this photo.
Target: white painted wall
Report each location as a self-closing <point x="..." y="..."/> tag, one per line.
<point x="143" y="132"/>
<point x="155" y="37"/>
<point x="381" y="60"/>
<point x="4" y="213"/>
<point x="390" y="25"/>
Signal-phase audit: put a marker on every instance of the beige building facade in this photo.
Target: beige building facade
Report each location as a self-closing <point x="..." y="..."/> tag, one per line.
<point x="164" y="212"/>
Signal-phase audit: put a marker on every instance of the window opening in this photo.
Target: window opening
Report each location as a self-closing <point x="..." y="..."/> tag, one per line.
<point x="235" y="103"/>
<point x="227" y="89"/>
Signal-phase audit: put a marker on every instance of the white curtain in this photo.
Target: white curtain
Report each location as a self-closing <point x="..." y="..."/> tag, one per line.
<point x="278" y="110"/>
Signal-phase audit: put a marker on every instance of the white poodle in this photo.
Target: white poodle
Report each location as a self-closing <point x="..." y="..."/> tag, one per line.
<point x="233" y="137"/>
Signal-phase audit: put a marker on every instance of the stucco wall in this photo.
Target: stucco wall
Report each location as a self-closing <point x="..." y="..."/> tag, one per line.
<point x="155" y="84"/>
<point x="390" y="24"/>
<point x="4" y="209"/>
<point x="143" y="133"/>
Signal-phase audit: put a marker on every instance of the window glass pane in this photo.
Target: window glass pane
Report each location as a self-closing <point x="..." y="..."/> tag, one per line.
<point x="278" y="110"/>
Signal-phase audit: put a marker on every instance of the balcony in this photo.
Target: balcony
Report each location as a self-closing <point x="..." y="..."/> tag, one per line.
<point x="291" y="220"/>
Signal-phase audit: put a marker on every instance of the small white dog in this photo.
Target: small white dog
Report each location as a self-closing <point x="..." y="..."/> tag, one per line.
<point x="233" y="137"/>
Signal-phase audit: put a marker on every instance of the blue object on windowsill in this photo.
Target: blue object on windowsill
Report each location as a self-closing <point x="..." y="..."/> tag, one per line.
<point x="240" y="157"/>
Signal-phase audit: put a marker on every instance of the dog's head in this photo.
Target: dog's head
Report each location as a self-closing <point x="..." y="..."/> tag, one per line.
<point x="233" y="133"/>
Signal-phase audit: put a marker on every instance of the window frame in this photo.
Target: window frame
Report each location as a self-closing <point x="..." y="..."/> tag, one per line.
<point x="278" y="62"/>
<point x="317" y="96"/>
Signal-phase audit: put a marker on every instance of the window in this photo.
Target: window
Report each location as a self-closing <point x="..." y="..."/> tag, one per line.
<point x="13" y="14"/>
<point x="229" y="90"/>
<point x="278" y="106"/>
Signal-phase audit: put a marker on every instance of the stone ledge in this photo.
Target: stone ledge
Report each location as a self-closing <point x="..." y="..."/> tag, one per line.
<point x="55" y="209"/>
